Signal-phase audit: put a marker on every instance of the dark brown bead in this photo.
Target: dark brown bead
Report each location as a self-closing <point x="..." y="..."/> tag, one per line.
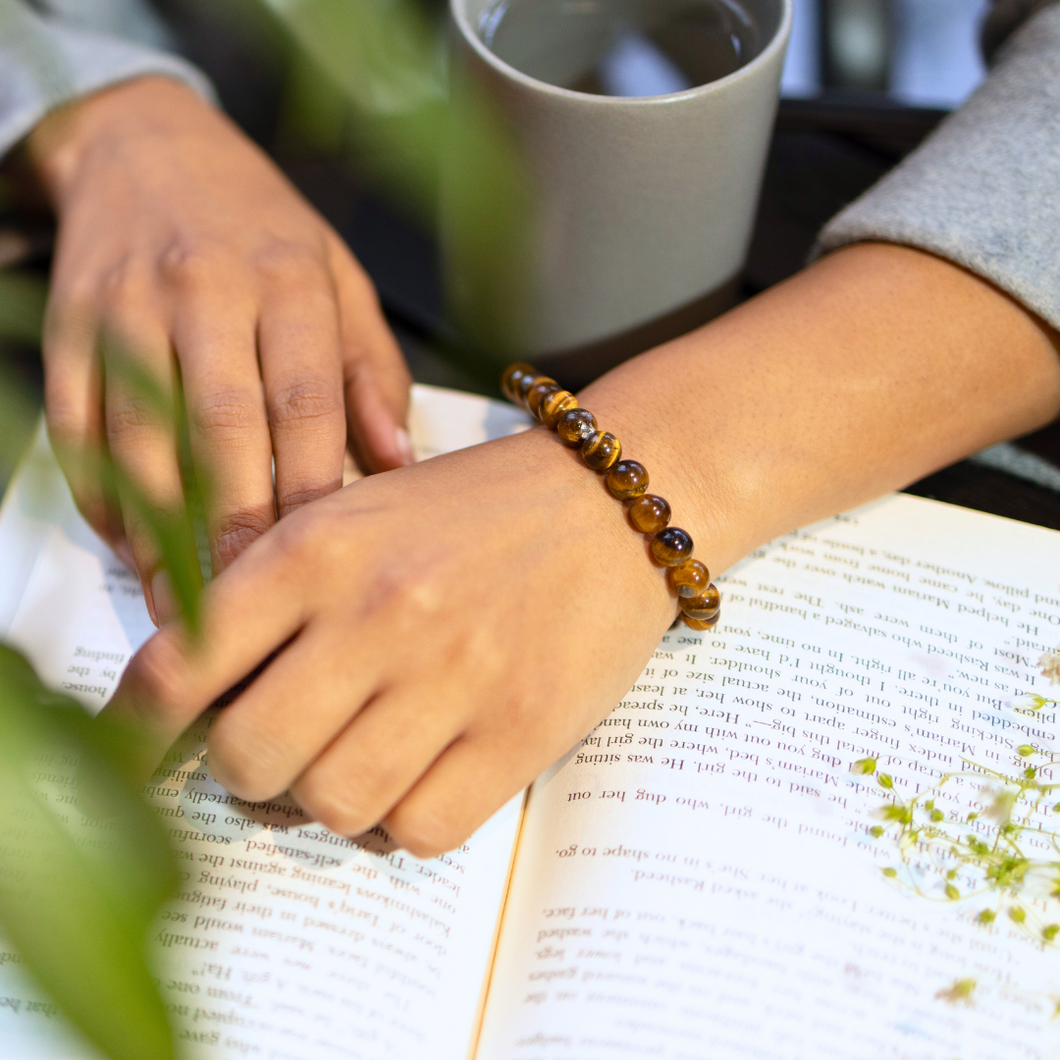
<point x="601" y="450"/>
<point x="627" y="479"/>
<point x="513" y="374"/>
<point x="704" y="606"/>
<point x="695" y="623"/>
<point x="555" y="405"/>
<point x="538" y="392"/>
<point x="690" y="579"/>
<point x="672" y="546"/>
<point x="575" y="426"/>
<point x="522" y="388"/>
<point x="649" y="514"/>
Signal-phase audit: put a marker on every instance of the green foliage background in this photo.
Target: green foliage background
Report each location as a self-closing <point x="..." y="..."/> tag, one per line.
<point x="82" y="878"/>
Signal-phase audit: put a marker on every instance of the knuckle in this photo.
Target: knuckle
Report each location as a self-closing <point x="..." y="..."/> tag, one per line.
<point x="341" y="811"/>
<point x="314" y="536"/>
<point x="249" y="763"/>
<point x="236" y="531"/>
<point x="306" y="402"/>
<point x="120" y="281"/>
<point x="158" y="677"/>
<point x="66" y="417"/>
<point x="131" y="414"/>
<point x="286" y="262"/>
<point x="72" y="294"/>
<point x="292" y="500"/>
<point x="227" y="410"/>
<point x="424" y="832"/>
<point x="192" y="263"/>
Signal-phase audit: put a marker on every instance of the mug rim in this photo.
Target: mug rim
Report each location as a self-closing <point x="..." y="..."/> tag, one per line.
<point x="458" y="13"/>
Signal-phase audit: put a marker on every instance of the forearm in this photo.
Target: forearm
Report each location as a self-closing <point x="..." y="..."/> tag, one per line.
<point x="872" y="368"/>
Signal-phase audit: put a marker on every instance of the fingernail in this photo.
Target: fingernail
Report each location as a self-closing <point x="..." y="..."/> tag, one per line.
<point x="404" y="446"/>
<point x="165" y="602"/>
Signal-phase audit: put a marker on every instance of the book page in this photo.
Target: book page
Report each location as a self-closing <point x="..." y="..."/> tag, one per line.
<point x="697" y="879"/>
<point x="286" y="941"/>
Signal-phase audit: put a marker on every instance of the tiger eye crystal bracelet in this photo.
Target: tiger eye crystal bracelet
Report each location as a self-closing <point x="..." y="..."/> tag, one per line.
<point x="627" y="481"/>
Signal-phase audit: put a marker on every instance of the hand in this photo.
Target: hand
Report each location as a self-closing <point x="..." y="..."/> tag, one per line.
<point x="182" y="247"/>
<point x="445" y="631"/>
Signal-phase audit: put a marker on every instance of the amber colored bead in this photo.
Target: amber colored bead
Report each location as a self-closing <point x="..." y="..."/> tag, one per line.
<point x="690" y="579"/>
<point x="513" y="375"/>
<point x="538" y="392"/>
<point x="704" y="606"/>
<point x="701" y="624"/>
<point x="672" y="546"/>
<point x="555" y="405"/>
<point x="575" y="425"/>
<point x="649" y="514"/>
<point x="601" y="450"/>
<point x="627" y="479"/>
<point x="522" y="388"/>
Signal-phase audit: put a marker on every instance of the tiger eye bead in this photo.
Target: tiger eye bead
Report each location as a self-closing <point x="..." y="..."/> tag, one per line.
<point x="538" y="392"/>
<point x="555" y="405"/>
<point x="512" y="377"/>
<point x="575" y="425"/>
<point x="649" y="514"/>
<point x="695" y="623"/>
<point x="672" y="546"/>
<point x="627" y="479"/>
<point x="690" y="579"/>
<point x="601" y="450"/>
<point x="530" y="379"/>
<point x="702" y="607"/>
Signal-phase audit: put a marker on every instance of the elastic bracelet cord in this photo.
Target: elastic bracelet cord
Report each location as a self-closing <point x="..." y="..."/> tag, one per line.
<point x="627" y="481"/>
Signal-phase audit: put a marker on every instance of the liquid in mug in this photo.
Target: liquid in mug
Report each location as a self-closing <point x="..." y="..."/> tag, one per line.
<point x="621" y="47"/>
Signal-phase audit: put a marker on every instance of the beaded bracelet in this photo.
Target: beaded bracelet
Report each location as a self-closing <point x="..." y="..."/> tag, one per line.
<point x="626" y="480"/>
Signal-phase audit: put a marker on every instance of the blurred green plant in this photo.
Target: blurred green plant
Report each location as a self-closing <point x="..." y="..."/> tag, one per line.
<point x="22" y="299"/>
<point x="368" y="82"/>
<point x="84" y="865"/>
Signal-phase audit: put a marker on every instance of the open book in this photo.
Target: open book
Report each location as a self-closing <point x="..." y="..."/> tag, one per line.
<point x="695" y="879"/>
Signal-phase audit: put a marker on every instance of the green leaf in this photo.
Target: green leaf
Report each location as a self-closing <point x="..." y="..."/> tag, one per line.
<point x="84" y="865"/>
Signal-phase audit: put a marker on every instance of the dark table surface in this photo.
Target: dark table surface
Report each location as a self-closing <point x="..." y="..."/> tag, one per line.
<point x="824" y="153"/>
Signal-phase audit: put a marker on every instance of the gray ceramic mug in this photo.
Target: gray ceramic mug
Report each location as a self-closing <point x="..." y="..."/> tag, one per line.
<point x="643" y="206"/>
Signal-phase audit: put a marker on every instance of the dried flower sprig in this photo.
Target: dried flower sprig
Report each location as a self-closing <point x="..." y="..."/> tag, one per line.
<point x="983" y="853"/>
<point x="1049" y="664"/>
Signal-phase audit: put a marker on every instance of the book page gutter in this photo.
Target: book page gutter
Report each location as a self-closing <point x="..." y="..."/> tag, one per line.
<point x="285" y="940"/>
<point x="698" y="878"/>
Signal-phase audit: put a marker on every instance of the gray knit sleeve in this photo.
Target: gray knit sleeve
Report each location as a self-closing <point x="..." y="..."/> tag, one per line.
<point x="984" y="190"/>
<point x="45" y="62"/>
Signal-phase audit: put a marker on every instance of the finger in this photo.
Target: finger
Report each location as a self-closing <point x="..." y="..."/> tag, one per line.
<point x="468" y="783"/>
<point x="73" y="404"/>
<point x="288" y="716"/>
<point x="378" y="757"/>
<point x="141" y="436"/>
<point x="228" y="430"/>
<point x="301" y="366"/>
<point x="376" y="377"/>
<point x="175" y="676"/>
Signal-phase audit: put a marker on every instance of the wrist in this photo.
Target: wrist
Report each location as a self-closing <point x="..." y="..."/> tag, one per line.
<point x="59" y="145"/>
<point x="709" y="496"/>
<point x="623" y="479"/>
